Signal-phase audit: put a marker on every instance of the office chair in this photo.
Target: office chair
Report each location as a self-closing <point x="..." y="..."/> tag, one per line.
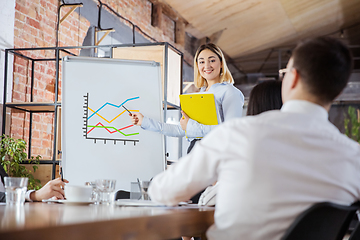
<point x="325" y="221"/>
<point x="355" y="235"/>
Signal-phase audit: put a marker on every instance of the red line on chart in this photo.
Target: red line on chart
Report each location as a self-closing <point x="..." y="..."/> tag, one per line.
<point x="108" y="129"/>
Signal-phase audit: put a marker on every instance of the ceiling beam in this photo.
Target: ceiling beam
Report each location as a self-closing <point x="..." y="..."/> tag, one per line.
<point x="214" y="38"/>
<point x="157" y="16"/>
<point x="180" y="32"/>
<point x="168" y="11"/>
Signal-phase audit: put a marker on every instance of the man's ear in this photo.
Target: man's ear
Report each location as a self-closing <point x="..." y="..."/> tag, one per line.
<point x="295" y="78"/>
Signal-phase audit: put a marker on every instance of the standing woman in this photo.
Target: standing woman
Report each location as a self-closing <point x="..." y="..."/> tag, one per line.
<point x="211" y="75"/>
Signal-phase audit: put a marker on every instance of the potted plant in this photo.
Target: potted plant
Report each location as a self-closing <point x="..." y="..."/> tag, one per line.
<point x="12" y="154"/>
<point x="352" y="124"/>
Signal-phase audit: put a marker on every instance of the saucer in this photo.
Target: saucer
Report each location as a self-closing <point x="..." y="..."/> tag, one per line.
<point x="137" y="203"/>
<point x="65" y="201"/>
<point x="75" y="202"/>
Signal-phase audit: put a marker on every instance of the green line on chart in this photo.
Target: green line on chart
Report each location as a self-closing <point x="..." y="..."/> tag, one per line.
<point x="114" y="129"/>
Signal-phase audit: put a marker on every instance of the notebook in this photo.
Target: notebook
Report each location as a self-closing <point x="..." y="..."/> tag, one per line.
<point x="200" y="107"/>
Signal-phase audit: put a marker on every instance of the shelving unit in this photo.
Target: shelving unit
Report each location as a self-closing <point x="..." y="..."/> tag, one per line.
<point x="31" y="107"/>
<point x="55" y="106"/>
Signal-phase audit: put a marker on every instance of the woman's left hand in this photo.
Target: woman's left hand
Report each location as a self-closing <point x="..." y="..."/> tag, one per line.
<point x="184" y="120"/>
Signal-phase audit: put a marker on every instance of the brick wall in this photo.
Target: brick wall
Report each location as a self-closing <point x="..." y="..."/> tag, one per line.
<point x="139" y="12"/>
<point x="35" y="26"/>
<point x="168" y="28"/>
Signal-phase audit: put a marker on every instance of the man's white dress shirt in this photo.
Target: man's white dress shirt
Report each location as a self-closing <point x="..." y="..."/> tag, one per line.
<point x="269" y="168"/>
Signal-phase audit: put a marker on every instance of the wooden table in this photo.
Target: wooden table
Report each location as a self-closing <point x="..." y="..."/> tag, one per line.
<point x="52" y="221"/>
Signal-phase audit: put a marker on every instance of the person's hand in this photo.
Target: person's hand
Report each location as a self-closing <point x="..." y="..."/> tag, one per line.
<point x="54" y="188"/>
<point x="184" y="120"/>
<point x="136" y="118"/>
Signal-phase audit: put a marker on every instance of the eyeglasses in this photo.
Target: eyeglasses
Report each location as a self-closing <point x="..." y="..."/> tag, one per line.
<point x="284" y="70"/>
<point x="282" y="73"/>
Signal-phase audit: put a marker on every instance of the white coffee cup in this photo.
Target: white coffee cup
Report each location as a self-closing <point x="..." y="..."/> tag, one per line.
<point x="78" y="193"/>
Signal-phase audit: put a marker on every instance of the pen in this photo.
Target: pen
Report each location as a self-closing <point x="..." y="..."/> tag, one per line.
<point x="60" y="165"/>
<point x="61" y="171"/>
<point x="127" y="110"/>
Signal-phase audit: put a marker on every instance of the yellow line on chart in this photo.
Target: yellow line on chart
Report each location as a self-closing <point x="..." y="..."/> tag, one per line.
<point x="114" y="117"/>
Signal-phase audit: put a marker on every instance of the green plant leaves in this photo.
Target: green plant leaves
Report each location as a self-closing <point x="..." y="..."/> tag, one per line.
<point x="12" y="154"/>
<point x="352" y="124"/>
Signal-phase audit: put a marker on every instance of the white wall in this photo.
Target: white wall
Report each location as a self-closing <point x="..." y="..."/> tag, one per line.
<point x="7" y="16"/>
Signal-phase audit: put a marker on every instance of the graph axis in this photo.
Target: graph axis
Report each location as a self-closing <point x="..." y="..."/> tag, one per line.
<point x="85" y="127"/>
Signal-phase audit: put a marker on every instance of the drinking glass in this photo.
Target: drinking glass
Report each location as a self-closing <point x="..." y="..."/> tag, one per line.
<point x="135" y="191"/>
<point x="144" y="190"/>
<point x="15" y="190"/>
<point x="106" y="190"/>
<point x="95" y="194"/>
<point x="139" y="190"/>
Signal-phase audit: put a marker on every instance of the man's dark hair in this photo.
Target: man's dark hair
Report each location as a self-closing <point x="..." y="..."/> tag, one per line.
<point x="324" y="65"/>
<point x="264" y="97"/>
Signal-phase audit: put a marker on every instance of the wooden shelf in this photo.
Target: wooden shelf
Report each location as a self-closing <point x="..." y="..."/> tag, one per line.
<point x="34" y="106"/>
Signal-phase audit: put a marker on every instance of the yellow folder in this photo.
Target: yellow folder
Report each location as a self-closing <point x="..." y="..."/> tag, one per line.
<point x="200" y="107"/>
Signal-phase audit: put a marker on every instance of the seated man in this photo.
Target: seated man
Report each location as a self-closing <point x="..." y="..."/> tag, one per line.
<point x="54" y="188"/>
<point x="271" y="167"/>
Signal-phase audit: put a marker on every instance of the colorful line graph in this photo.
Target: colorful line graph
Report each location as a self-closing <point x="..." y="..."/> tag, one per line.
<point x="95" y="119"/>
<point x="114" y="117"/>
<point x="116" y="130"/>
<point x="111" y="104"/>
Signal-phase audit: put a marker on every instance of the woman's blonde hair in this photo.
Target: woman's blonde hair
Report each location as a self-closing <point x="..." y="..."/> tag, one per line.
<point x="225" y="75"/>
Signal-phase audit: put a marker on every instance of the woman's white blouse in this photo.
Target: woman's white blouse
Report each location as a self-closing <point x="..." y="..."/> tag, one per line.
<point x="229" y="103"/>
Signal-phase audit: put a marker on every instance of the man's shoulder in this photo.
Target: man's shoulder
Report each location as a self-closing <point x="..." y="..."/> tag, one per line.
<point x="279" y="121"/>
<point x="264" y="118"/>
<point x="273" y="119"/>
<point x="344" y="140"/>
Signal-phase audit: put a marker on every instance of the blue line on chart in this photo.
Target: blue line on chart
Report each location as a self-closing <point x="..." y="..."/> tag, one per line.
<point x="118" y="106"/>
